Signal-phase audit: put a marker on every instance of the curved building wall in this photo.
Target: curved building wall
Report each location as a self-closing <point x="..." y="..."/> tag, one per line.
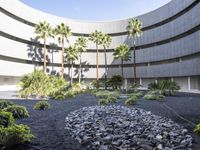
<point x="169" y="47"/>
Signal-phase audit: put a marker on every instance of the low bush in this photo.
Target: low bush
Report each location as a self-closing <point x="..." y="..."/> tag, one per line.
<point x="17" y="111"/>
<point x="138" y="94"/>
<point x="131" y="101"/>
<point x="6" y="119"/>
<point x="151" y="96"/>
<point x="40" y="84"/>
<point x="102" y="102"/>
<point x="197" y="129"/>
<point x="111" y="99"/>
<point x="115" y="82"/>
<point x="42" y="105"/>
<point x="13" y="135"/>
<point x="5" y="103"/>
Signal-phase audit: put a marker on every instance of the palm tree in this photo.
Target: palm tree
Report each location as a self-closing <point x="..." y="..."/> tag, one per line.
<point x="81" y="44"/>
<point x="71" y="55"/>
<point x="122" y="52"/>
<point x="134" y="30"/>
<point x="63" y="32"/>
<point x="43" y="31"/>
<point x="106" y="41"/>
<point x="96" y="37"/>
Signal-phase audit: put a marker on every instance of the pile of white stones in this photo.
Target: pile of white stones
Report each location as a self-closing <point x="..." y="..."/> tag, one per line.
<point x="119" y="128"/>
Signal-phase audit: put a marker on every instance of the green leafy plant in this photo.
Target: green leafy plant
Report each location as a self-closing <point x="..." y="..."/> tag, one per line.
<point x="5" y="103"/>
<point x="13" y="135"/>
<point x="111" y="99"/>
<point x="154" y="95"/>
<point x="131" y="101"/>
<point x="153" y="86"/>
<point x="17" y="111"/>
<point x="102" y="102"/>
<point x="134" y="87"/>
<point x="42" y="105"/>
<point x="6" y="119"/>
<point x="115" y="82"/>
<point x="39" y="84"/>
<point x="138" y="94"/>
<point x="197" y="129"/>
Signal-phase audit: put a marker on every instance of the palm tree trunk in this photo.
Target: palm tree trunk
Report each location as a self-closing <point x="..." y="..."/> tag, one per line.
<point x="80" y="70"/>
<point x="122" y="67"/>
<point x="97" y="67"/>
<point x="106" y="73"/>
<point x="45" y="65"/>
<point x="134" y="61"/>
<point x="72" y="73"/>
<point x="62" y="58"/>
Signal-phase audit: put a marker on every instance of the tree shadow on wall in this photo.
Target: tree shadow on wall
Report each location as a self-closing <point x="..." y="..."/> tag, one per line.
<point x="35" y="52"/>
<point x="84" y="69"/>
<point x="52" y="51"/>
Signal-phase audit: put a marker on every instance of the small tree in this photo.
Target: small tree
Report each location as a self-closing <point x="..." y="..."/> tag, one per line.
<point x="43" y="31"/>
<point x="96" y="37"/>
<point x="134" y="30"/>
<point x="63" y="32"/>
<point x="71" y="55"/>
<point x="106" y="41"/>
<point x="122" y="52"/>
<point x="81" y="44"/>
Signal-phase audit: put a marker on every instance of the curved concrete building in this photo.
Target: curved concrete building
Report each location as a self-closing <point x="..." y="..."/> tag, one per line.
<point x="168" y="49"/>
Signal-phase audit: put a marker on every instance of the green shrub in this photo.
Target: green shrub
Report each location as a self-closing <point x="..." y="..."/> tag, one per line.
<point x="131" y="101"/>
<point x="15" y="134"/>
<point x="40" y="84"/>
<point x="102" y="102"/>
<point x="5" y="103"/>
<point x="115" y="82"/>
<point x="133" y="87"/>
<point x="111" y="99"/>
<point x="6" y="119"/>
<point x="42" y="105"/>
<point x="17" y="111"/>
<point x="102" y="94"/>
<point x="138" y="94"/>
<point x="153" y="86"/>
<point x="197" y="129"/>
<point x="153" y="97"/>
<point x="166" y="87"/>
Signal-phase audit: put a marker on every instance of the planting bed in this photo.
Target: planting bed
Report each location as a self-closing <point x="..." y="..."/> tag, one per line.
<point x="49" y="126"/>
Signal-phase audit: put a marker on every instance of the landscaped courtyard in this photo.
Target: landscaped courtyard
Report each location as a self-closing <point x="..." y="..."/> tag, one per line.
<point x="49" y="127"/>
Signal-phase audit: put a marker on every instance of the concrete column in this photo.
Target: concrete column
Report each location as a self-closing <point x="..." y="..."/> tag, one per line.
<point x="125" y="84"/>
<point x="141" y="81"/>
<point x="156" y="81"/>
<point x="189" y="87"/>
<point x="172" y="79"/>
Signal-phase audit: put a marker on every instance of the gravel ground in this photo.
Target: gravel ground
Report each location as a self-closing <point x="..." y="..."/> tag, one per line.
<point x="48" y="126"/>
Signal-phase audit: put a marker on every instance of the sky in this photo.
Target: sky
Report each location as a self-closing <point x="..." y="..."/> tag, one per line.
<point x="96" y="10"/>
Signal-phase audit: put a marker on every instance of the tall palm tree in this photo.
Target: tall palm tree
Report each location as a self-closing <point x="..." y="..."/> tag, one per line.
<point x="43" y="31"/>
<point x="134" y="30"/>
<point x="96" y="37"/>
<point x="122" y="52"/>
<point x="63" y="32"/>
<point x="106" y="41"/>
<point x="71" y="55"/>
<point x="81" y="44"/>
